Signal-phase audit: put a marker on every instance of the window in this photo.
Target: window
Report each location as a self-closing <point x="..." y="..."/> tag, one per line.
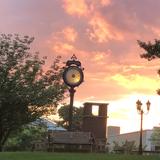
<point x="95" y="110"/>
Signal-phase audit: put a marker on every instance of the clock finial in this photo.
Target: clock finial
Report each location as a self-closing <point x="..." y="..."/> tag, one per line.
<point x="74" y="57"/>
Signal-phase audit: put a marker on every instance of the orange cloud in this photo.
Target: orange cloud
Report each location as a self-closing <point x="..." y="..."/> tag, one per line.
<point x="101" y="31"/>
<point x="105" y="2"/>
<point x="76" y="7"/>
<point x="70" y="34"/>
<point x="63" y="48"/>
<point x="95" y="5"/>
<point x="100" y="58"/>
<point x="62" y="42"/>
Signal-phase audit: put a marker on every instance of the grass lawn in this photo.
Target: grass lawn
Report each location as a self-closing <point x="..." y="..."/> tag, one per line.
<point x="71" y="156"/>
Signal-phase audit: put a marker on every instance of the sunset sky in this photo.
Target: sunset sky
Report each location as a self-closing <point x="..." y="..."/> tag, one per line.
<point x="103" y="34"/>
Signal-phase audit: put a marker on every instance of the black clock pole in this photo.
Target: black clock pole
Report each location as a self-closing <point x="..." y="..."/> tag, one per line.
<point x="73" y="77"/>
<point x="72" y="91"/>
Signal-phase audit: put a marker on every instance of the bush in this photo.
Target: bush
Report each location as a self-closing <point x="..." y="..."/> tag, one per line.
<point x="126" y="147"/>
<point x="23" y="139"/>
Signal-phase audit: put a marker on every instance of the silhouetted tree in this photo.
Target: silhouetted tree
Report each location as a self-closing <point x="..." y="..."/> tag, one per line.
<point x="76" y="120"/>
<point x="26" y="91"/>
<point x="152" y="51"/>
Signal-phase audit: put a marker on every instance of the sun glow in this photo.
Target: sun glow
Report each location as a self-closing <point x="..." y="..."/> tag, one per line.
<point x="123" y="112"/>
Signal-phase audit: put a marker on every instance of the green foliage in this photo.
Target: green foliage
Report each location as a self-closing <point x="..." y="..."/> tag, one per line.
<point x="126" y="147"/>
<point x="26" y="91"/>
<point x="25" y="137"/>
<point x="77" y="117"/>
<point x="155" y="137"/>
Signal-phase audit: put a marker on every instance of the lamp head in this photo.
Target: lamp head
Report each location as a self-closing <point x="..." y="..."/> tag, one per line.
<point x="148" y="105"/>
<point x="138" y="104"/>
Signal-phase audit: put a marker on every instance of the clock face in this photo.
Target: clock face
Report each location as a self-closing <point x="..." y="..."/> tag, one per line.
<point x="73" y="76"/>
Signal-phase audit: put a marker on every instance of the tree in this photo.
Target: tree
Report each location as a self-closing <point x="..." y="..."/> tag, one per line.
<point x="155" y="138"/>
<point x="76" y="120"/>
<point x="152" y="51"/>
<point x="26" y="91"/>
<point x="25" y="137"/>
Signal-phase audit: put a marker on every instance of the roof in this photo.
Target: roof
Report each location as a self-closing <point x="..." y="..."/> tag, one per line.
<point x="65" y="137"/>
<point x="96" y="103"/>
<point x="51" y="125"/>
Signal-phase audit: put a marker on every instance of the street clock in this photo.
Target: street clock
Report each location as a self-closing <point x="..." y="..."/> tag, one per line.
<point x="73" y="76"/>
<point x="73" y="73"/>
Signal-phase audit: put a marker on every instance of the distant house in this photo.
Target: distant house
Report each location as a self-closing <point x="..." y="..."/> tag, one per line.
<point x="42" y="144"/>
<point x="115" y="136"/>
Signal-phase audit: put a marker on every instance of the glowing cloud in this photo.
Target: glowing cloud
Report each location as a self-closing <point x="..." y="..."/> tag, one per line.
<point x="62" y="42"/>
<point x="70" y="34"/>
<point x="76" y="7"/>
<point x="100" y="58"/>
<point x="105" y="2"/>
<point x="101" y="31"/>
<point x="62" y="48"/>
<point x="134" y="82"/>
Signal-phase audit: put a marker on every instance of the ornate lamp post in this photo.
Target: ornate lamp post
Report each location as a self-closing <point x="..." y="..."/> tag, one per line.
<point x="141" y="111"/>
<point x="73" y="77"/>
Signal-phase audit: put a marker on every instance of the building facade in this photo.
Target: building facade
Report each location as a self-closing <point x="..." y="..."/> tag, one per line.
<point x="114" y="135"/>
<point x="96" y="124"/>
